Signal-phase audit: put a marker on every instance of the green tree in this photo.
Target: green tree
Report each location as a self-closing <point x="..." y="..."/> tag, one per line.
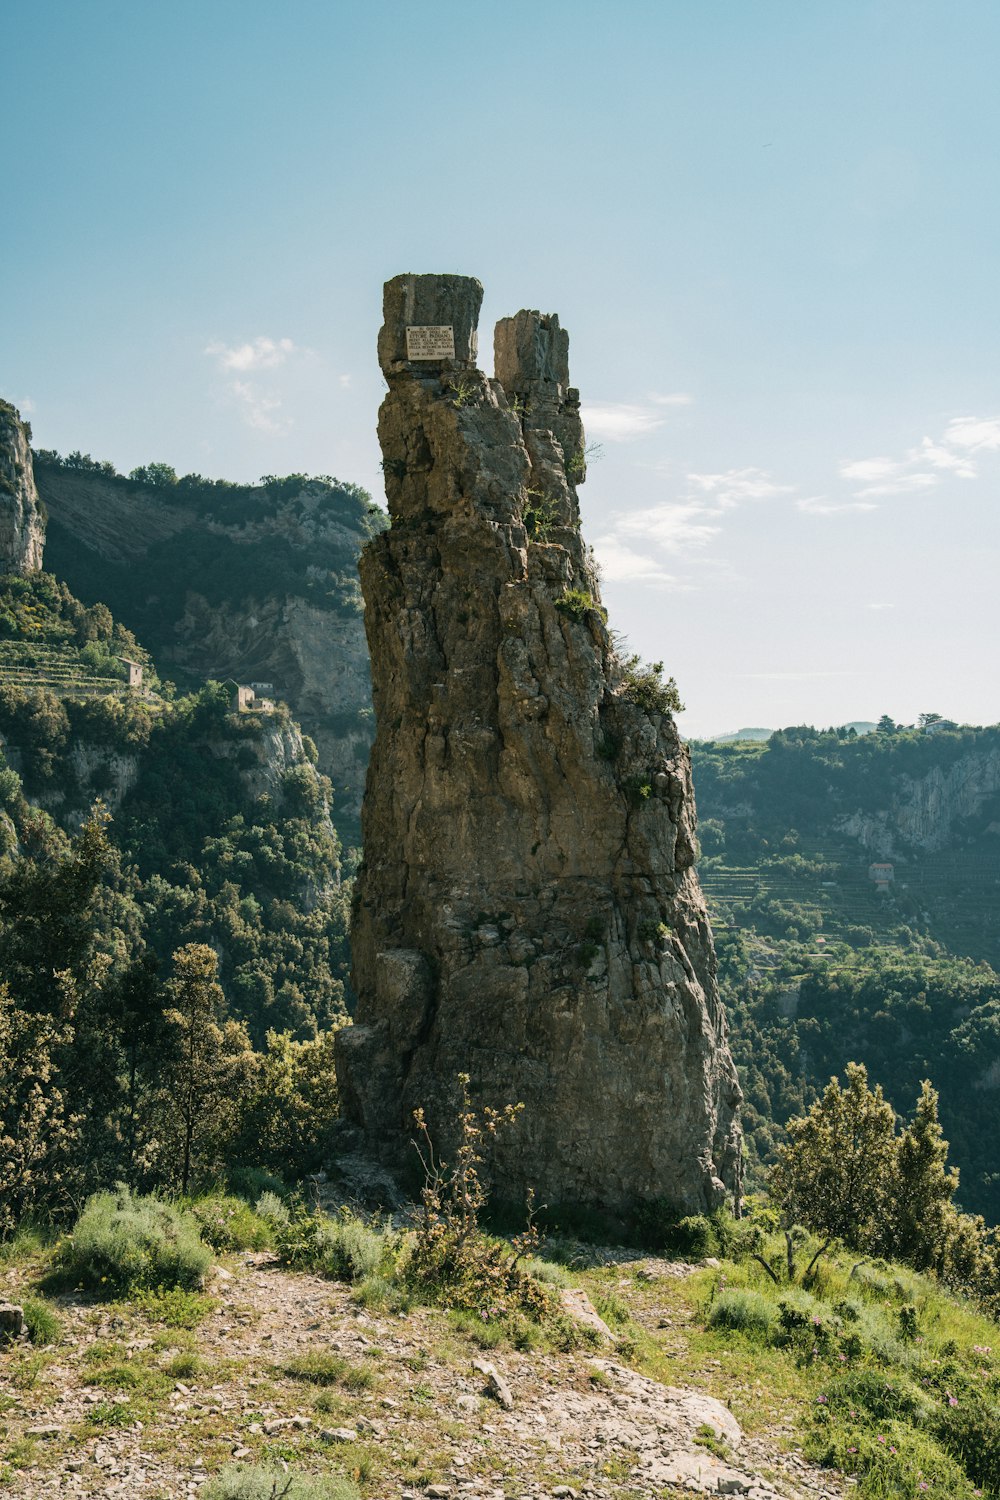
<point x="288" y="1124"/>
<point x="924" y="1186"/>
<point x="135" y="1016"/>
<point x="837" y="1171"/>
<point x="34" y="1132"/>
<point x="209" y="1064"/>
<point x="160" y="476"/>
<point x="47" y="909"/>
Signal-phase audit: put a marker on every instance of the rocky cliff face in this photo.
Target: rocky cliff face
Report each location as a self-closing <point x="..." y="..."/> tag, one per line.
<point x="527" y="911"/>
<point x="107" y="772"/>
<point x="246" y="583"/>
<point x="924" y="810"/>
<point x="22" y="526"/>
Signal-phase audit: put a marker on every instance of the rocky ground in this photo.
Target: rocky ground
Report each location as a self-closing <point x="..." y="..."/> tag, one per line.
<point x="125" y="1405"/>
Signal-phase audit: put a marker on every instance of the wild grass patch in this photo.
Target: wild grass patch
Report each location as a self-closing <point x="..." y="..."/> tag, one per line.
<point x="28" y="1241"/>
<point x="267" y="1482"/>
<point x="744" y="1311"/>
<point x="320" y="1367"/>
<point x="175" y="1307"/>
<point x="228" y="1223"/>
<point x="345" y="1247"/>
<point x="184" y="1365"/>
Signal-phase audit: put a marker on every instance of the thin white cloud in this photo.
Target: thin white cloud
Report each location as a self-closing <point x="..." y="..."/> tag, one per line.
<point x="259" y="354"/>
<point x="867" y="469"/>
<point x="345" y="381"/>
<point x="673" y="526"/>
<point x="620" y="422"/>
<point x="819" y="505"/>
<point x="259" y="406"/>
<point x="642" y="543"/>
<point x="940" y="457"/>
<point x="258" y="409"/>
<point x="882" y="604"/>
<point x="675" y="398"/>
<point x="974" y="432"/>
<point x="920" y="468"/>
<point x="903" y="484"/>
<point x="25" y="406"/>
<point x="735" y="486"/>
<point x="620" y="564"/>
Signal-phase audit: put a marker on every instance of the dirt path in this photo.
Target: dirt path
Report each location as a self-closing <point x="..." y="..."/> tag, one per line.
<point x="123" y="1407"/>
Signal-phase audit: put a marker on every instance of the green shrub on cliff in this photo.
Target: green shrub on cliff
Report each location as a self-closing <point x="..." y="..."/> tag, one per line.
<point x="643" y="683"/>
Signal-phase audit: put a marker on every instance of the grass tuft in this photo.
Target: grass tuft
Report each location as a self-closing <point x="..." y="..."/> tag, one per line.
<point x="44" y="1325"/>
<point x="321" y="1368"/>
<point x="744" y="1312"/>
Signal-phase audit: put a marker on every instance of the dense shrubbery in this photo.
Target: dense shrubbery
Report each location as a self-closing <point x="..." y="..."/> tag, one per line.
<point x="665" y="1228"/>
<point x="798" y="1016"/>
<point x="193" y="854"/>
<point x="316" y="561"/>
<point x="151" y="1083"/>
<point x="38" y="610"/>
<point x="98" y="1037"/>
<point x="345" y="1247"/>
<point x="228" y="1223"/>
<point x="123" y="1243"/>
<point x="802" y="777"/>
<point x="908" y="1385"/>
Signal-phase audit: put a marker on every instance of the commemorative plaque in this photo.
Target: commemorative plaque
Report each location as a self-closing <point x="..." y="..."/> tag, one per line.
<point x="430" y="341"/>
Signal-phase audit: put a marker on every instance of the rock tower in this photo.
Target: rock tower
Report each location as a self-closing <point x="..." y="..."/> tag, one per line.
<point x="22" y="525"/>
<point x="527" y="911"/>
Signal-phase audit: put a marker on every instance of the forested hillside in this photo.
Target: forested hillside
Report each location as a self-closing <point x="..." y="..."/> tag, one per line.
<point x="821" y="963"/>
<point x="254" y="582"/>
<point x="171" y="909"/>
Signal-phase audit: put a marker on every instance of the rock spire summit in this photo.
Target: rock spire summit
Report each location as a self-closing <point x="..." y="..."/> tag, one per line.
<point x="527" y="911"/>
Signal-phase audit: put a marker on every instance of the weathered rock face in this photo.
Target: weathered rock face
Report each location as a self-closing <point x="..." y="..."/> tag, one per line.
<point x="527" y="911"/>
<point x="924" y="809"/>
<point x="22" y="528"/>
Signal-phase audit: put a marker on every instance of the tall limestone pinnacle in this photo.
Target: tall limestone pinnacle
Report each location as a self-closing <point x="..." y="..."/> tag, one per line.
<point x="527" y="911"/>
<point x="22" y="525"/>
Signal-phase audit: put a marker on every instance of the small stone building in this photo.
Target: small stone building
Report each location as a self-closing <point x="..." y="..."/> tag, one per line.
<point x="134" y="671"/>
<point x="241" y="697"/>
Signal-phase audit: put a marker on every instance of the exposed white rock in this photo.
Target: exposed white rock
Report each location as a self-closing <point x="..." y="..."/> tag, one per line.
<point x="22" y="528"/>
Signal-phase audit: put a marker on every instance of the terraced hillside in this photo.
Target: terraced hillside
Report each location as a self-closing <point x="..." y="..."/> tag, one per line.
<point x="51" y="642"/>
<point x="60" y="668"/>
<point x="790" y="831"/>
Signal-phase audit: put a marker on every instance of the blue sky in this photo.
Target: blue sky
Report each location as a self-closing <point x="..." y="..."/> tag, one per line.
<point x="771" y="229"/>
